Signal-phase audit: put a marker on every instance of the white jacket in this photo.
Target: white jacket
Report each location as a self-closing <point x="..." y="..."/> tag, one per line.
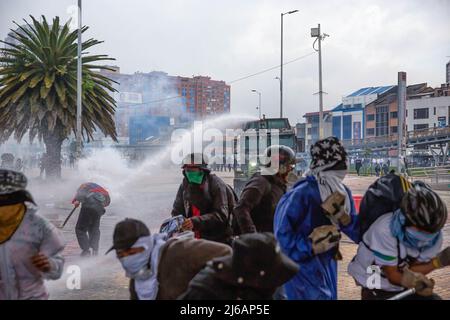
<point x="19" y="279"/>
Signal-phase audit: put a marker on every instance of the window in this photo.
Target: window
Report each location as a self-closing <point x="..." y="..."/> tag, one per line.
<point x="370" y="131"/>
<point x="394" y="115"/>
<point x="421" y="113"/>
<point x="394" y="129"/>
<point x="308" y="131"/>
<point x="381" y="121"/>
<point x="421" y="126"/>
<point x="434" y="111"/>
<point x="370" y="117"/>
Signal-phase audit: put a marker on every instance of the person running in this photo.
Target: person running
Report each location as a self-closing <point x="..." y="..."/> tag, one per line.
<point x="30" y="246"/>
<point x="403" y="247"/>
<point x="204" y="200"/>
<point x="309" y="235"/>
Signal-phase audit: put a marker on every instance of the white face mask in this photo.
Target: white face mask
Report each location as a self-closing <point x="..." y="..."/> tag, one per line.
<point x="137" y="266"/>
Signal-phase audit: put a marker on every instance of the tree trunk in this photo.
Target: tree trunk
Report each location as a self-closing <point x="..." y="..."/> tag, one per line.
<point x="52" y="164"/>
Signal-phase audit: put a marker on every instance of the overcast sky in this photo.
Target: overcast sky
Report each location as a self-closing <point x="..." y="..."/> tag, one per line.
<point x="370" y="41"/>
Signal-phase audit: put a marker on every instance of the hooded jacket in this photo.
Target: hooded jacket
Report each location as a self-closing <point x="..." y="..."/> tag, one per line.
<point x="215" y="203"/>
<point x="19" y="279"/>
<point x="256" y="207"/>
<point x="297" y="215"/>
<point x="180" y="260"/>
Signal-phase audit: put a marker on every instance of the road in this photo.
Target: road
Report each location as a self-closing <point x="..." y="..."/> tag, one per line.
<point x="150" y="198"/>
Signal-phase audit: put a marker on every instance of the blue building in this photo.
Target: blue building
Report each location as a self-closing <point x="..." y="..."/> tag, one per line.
<point x="147" y="127"/>
<point x="348" y="121"/>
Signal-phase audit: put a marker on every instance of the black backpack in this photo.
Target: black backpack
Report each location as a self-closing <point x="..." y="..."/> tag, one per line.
<point x="382" y="196"/>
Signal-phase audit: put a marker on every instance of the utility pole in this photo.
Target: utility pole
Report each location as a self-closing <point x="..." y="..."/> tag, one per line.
<point x="316" y="33"/>
<point x="79" y="86"/>
<point x="401" y="101"/>
<point x="259" y="105"/>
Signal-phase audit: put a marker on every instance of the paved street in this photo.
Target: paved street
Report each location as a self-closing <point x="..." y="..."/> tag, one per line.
<point x="102" y="276"/>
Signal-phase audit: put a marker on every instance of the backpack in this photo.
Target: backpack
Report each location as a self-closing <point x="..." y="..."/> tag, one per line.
<point x="382" y="196"/>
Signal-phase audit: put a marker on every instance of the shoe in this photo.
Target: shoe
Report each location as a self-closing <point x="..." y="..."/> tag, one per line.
<point x="85" y="253"/>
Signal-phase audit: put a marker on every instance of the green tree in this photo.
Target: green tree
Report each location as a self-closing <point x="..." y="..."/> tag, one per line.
<point x="38" y="88"/>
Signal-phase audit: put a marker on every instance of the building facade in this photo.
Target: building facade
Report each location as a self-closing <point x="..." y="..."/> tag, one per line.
<point x="348" y="118"/>
<point x="158" y="94"/>
<point x="312" y="127"/>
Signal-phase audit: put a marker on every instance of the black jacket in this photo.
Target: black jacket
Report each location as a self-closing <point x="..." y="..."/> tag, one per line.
<point x="215" y="202"/>
<point x="259" y="198"/>
<point x="207" y="285"/>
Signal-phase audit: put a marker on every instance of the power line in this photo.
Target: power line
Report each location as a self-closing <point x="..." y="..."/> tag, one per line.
<point x="229" y="82"/>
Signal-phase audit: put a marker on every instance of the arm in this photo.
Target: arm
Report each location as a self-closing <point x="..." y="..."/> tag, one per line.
<point x="52" y="247"/>
<point x="178" y="204"/>
<point x="291" y="212"/>
<point x="251" y="196"/>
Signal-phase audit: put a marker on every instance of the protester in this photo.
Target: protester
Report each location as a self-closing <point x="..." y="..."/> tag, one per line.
<point x="403" y="247"/>
<point x="309" y="236"/>
<point x="30" y="246"/>
<point x="256" y="207"/>
<point x="93" y="199"/>
<point x="254" y="271"/>
<point x="358" y="165"/>
<point x="204" y="200"/>
<point x="160" y="268"/>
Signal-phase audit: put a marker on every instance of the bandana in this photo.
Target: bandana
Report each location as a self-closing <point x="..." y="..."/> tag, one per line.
<point x="10" y="218"/>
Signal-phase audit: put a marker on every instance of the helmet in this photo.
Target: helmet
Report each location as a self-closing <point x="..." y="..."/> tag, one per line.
<point x="424" y="208"/>
<point x="195" y="160"/>
<point x="286" y="157"/>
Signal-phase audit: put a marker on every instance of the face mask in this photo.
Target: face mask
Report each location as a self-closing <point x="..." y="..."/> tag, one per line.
<point x="420" y="239"/>
<point x="194" y="177"/>
<point x="136" y="265"/>
<point x="10" y="219"/>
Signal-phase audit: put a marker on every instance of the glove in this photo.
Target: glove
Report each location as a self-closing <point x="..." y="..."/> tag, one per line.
<point x="423" y="285"/>
<point x="442" y="259"/>
<point x="324" y="238"/>
<point x="334" y="207"/>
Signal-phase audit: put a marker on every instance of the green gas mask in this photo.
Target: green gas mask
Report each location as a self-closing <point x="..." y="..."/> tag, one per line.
<point x="194" y="177"/>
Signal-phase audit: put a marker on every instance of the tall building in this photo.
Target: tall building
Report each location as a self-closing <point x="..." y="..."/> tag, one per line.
<point x="158" y="94"/>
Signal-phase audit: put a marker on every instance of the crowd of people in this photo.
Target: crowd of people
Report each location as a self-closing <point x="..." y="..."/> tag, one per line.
<point x="270" y="242"/>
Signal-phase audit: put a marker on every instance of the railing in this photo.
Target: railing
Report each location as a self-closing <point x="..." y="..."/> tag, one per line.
<point x="415" y="136"/>
<point x="438" y="174"/>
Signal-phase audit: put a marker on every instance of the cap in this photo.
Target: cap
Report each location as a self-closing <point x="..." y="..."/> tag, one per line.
<point x="127" y="232"/>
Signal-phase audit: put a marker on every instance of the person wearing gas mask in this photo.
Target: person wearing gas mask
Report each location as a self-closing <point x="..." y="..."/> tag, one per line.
<point x="403" y="246"/>
<point x="30" y="246"/>
<point x="256" y="206"/>
<point x="160" y="267"/>
<point x="205" y="200"/>
<point x="309" y="219"/>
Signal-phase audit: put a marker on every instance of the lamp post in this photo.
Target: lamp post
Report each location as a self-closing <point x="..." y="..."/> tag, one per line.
<point x="79" y="87"/>
<point x="281" y="64"/>
<point x="315" y="33"/>
<point x="259" y="104"/>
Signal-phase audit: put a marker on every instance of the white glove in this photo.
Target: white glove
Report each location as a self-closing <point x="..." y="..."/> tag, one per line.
<point x="324" y="238"/>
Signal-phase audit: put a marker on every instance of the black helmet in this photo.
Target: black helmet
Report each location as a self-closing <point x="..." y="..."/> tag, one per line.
<point x="286" y="156"/>
<point x="199" y="160"/>
<point x="424" y="208"/>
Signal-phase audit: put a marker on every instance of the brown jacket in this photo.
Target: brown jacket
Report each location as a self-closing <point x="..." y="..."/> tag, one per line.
<point x="180" y="260"/>
<point x="256" y="206"/>
<point x="215" y="202"/>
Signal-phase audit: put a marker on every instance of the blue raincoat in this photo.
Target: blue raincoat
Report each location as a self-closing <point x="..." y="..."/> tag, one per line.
<point x="296" y="216"/>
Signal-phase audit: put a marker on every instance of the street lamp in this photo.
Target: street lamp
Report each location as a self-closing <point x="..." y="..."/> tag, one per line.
<point x="281" y="64"/>
<point x="79" y="87"/>
<point x="315" y="33"/>
<point x="259" y="105"/>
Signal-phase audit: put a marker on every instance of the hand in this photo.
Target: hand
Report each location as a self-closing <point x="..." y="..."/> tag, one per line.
<point x="421" y="283"/>
<point x="76" y="203"/>
<point x="41" y="262"/>
<point x="324" y="238"/>
<point x="187" y="225"/>
<point x="443" y="258"/>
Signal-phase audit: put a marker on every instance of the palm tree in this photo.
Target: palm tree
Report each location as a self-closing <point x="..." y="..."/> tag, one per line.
<point x="38" y="75"/>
